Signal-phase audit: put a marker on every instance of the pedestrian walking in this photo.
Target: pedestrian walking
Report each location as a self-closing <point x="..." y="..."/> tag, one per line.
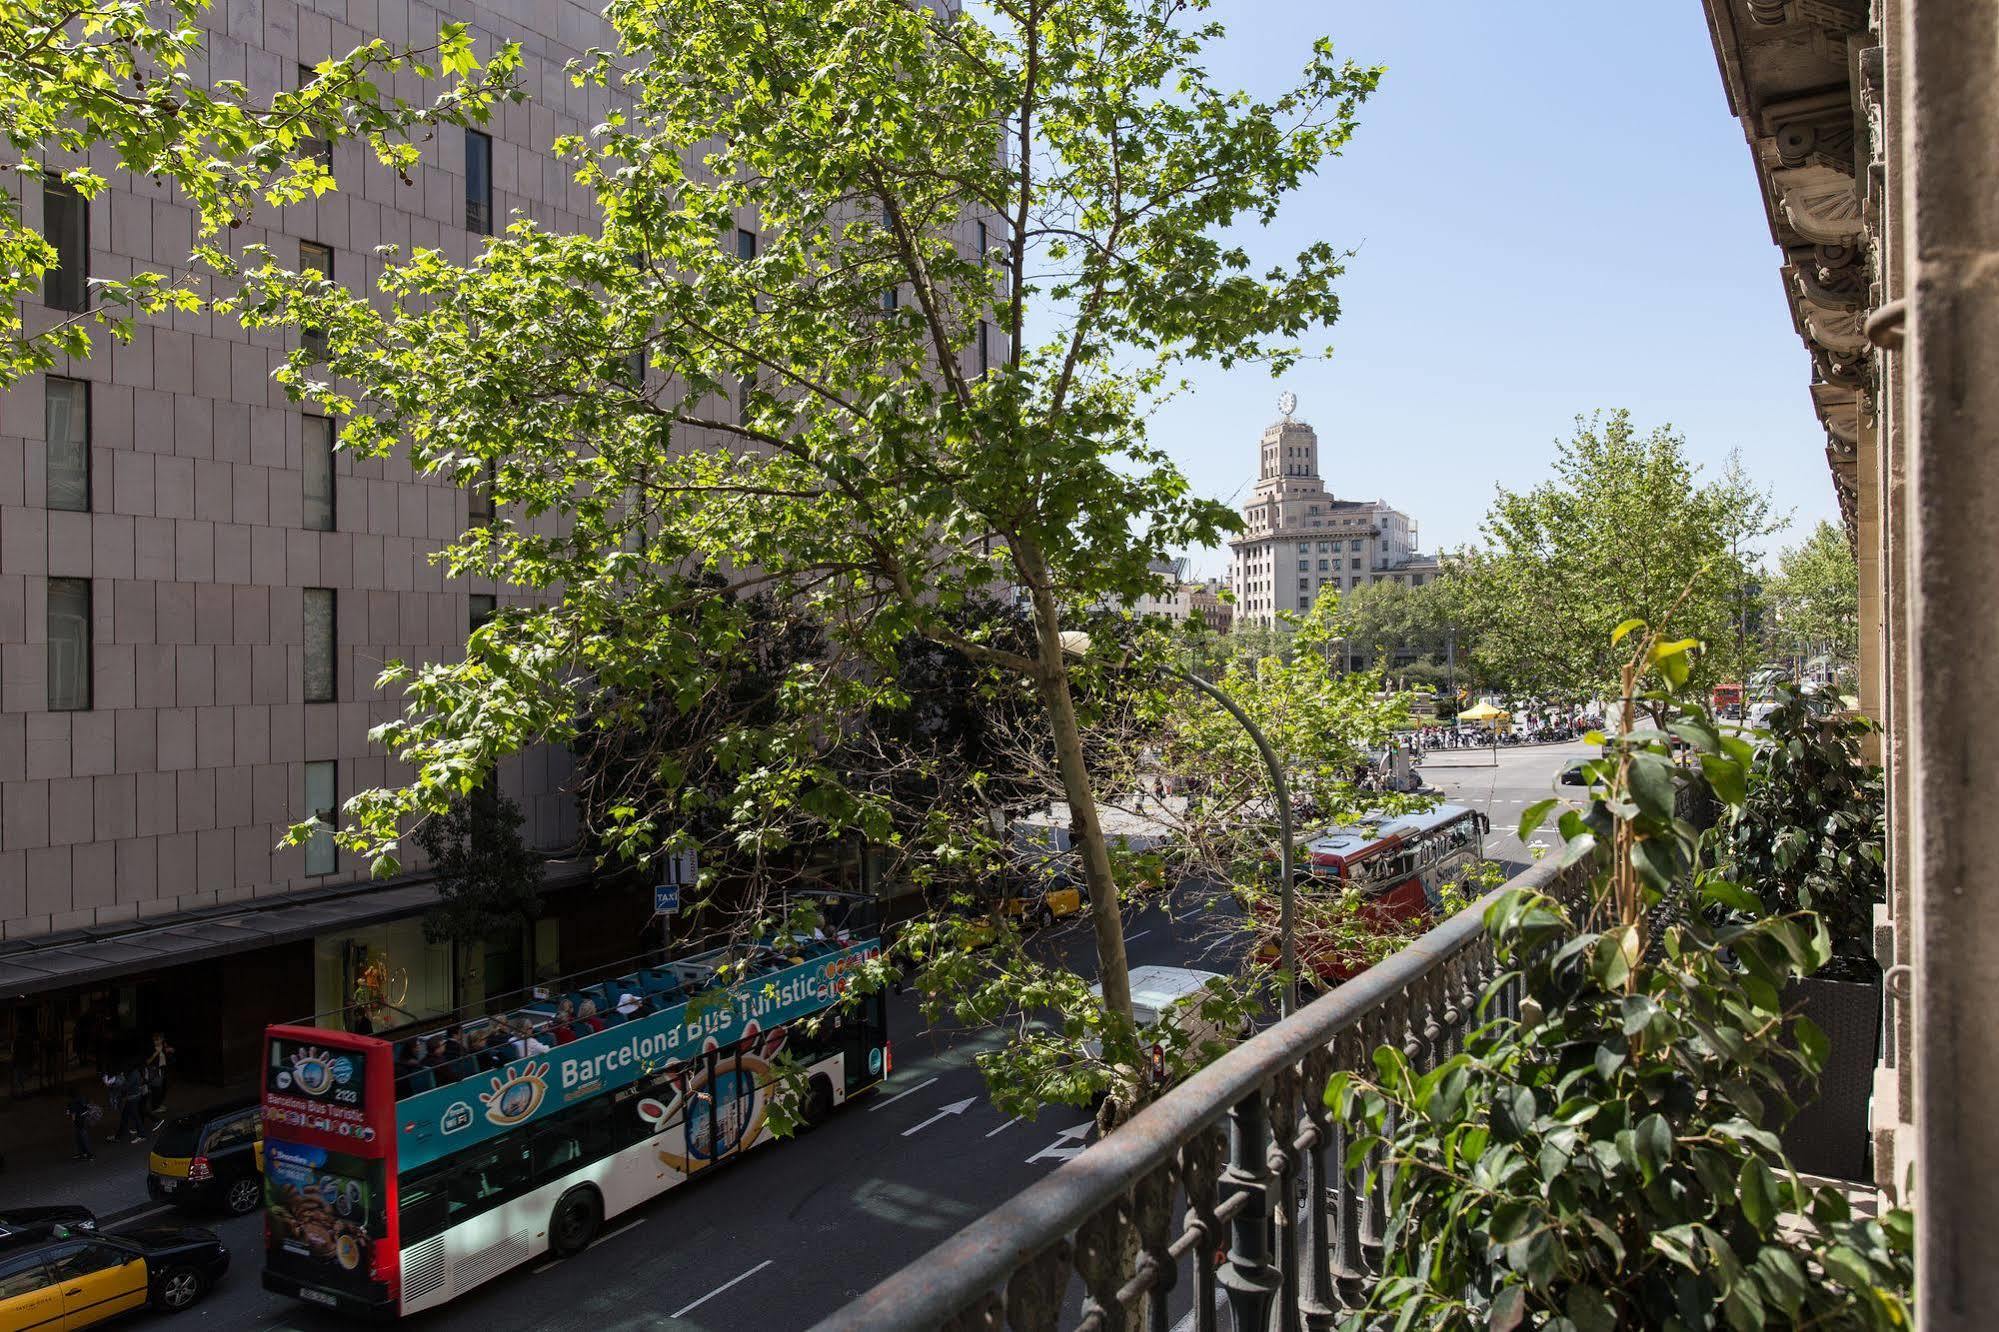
<point x="114" y="1103"/>
<point x="158" y="1064"/>
<point x="81" y="1115"/>
<point x="132" y="1108"/>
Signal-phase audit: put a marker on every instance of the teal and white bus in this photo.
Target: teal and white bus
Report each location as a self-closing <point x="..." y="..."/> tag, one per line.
<point x="393" y="1184"/>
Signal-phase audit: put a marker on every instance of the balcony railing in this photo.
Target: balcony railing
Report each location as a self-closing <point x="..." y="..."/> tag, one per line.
<point x="1198" y="1171"/>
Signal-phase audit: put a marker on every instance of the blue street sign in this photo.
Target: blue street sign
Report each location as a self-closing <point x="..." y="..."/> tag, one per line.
<point x="665" y="898"/>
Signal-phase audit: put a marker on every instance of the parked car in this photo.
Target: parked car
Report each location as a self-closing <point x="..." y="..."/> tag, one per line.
<point x="1170" y="996"/>
<point x="1573" y="775"/>
<point x="211" y="1158"/>
<point x="53" y="1276"/>
<point x="14" y="1220"/>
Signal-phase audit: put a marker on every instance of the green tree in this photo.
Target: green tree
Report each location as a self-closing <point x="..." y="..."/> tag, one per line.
<point x="983" y="242"/>
<point x="1626" y="528"/>
<point x="488" y="881"/>
<point x="1383" y="621"/>
<point x="114" y="75"/>
<point x="1814" y="598"/>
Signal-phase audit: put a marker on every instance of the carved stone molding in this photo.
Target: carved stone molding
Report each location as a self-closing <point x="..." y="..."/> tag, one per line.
<point x="1839" y="409"/>
<point x="1831" y="276"/>
<point x="1819" y="203"/>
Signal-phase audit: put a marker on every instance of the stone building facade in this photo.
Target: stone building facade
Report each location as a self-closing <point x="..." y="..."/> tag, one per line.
<point x="1299" y="541"/>
<point x="1870" y="125"/>
<point x="192" y="617"/>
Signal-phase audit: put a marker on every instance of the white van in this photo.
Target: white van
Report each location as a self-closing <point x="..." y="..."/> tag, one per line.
<point x="1162" y="995"/>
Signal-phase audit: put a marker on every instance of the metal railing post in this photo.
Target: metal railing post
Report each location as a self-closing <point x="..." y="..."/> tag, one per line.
<point x="1248" y="1278"/>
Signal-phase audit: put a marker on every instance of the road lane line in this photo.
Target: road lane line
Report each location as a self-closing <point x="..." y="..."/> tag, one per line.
<point x="683" y="1312"/>
<point x="1134" y="938"/>
<point x="613" y="1234"/>
<point x="899" y="1095"/>
<point x="1003" y="1127"/>
<point x="126" y="1219"/>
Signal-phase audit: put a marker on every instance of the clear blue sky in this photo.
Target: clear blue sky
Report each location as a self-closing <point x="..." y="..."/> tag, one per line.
<point x="1554" y="212"/>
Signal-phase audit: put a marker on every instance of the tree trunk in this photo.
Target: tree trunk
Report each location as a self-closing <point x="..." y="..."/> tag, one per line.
<point x="1053" y="682"/>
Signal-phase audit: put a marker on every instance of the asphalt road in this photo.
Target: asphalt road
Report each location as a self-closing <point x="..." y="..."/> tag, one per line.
<point x="797" y="1228"/>
<point x="1502" y="791"/>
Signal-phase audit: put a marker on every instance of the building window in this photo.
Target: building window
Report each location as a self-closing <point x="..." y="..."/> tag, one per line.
<point x="321" y="804"/>
<point x="320" y="150"/>
<point x="480" y="506"/>
<point x="478" y="182"/>
<point x="69" y="644"/>
<point x="744" y="388"/>
<point x="1324" y="565"/>
<point x="315" y="258"/>
<point x="483" y="606"/>
<point x="1304" y="564"/>
<point x="889" y="299"/>
<point x="1304" y="583"/>
<point x="318" y="513"/>
<point x="985" y="352"/>
<point x="319" y="636"/>
<point x="746" y="244"/>
<point x="983" y="243"/>
<point x="66" y="227"/>
<point x="66" y="422"/>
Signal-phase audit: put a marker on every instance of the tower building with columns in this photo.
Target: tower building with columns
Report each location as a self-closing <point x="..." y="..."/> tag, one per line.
<point x="1299" y="540"/>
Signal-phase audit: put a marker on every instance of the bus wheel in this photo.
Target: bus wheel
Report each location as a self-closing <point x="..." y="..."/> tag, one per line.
<point x="818" y="1103"/>
<point x="573" y="1223"/>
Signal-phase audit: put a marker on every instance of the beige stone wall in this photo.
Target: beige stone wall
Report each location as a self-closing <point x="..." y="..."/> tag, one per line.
<point x="171" y="791"/>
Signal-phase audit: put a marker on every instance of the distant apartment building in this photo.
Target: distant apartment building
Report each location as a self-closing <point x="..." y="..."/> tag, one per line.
<point x="1298" y="540"/>
<point x="1205" y="599"/>
<point x="197" y="594"/>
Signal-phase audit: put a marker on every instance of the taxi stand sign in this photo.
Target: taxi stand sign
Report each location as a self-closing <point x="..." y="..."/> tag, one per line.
<point x="683" y="870"/>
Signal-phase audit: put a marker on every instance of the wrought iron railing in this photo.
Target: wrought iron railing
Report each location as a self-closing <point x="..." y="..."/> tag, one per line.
<point x="1207" y="1180"/>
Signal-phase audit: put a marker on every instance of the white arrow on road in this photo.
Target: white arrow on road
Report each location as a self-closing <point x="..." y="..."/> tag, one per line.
<point x="1061" y="1149"/>
<point x="955" y="1108"/>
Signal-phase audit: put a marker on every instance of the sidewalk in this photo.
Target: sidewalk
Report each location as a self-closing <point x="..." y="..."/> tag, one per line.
<point x="39" y="1170"/>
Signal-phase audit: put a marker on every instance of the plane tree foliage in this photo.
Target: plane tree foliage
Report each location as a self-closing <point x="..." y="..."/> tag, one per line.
<point x="1814" y="598"/>
<point x="1060" y="183"/>
<point x="1627" y="527"/>
<point x="88" y="89"/>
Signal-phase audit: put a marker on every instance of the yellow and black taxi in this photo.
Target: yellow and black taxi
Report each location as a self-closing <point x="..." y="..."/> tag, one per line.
<point x="53" y="1277"/>
<point x="211" y="1158"/>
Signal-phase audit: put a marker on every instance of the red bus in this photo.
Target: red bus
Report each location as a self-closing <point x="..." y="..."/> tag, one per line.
<point x="1397" y="866"/>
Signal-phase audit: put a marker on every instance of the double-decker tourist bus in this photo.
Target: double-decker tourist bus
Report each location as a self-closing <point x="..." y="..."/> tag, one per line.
<point x="1397" y="865"/>
<point x="399" y="1175"/>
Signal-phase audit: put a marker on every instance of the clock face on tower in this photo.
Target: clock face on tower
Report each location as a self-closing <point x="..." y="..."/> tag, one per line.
<point x="1287" y="403"/>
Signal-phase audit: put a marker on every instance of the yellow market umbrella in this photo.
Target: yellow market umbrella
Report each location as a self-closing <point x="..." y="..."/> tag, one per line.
<point x="1484" y="712"/>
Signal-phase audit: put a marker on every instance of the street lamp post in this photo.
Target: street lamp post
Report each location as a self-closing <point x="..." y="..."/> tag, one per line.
<point x="1076" y="643"/>
<point x="1287" y="958"/>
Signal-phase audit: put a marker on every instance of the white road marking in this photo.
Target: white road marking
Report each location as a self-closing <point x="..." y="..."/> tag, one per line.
<point x="955" y="1108"/>
<point x="1068" y="1144"/>
<point x="1134" y="938"/>
<point x="899" y="1095"/>
<point x="683" y="1312"/>
<point x="613" y="1234"/>
<point x="609" y="1234"/>
<point x="140" y="1216"/>
<point x="1004" y="1127"/>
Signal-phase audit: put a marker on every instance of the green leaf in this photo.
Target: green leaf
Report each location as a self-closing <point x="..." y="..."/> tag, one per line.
<point x="1532" y="817"/>
<point x="1757" y="1189"/>
<point x="1589" y="1310"/>
<point x="1508" y="1308"/>
<point x="1653" y="1144"/>
<point x="1731" y="895"/>
<point x="1617" y="635"/>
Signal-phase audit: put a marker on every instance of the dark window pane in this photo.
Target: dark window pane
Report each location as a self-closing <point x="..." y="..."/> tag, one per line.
<point x="69" y="644"/>
<point x="478" y="182"/>
<point x="313" y="257"/>
<point x="66" y="414"/>
<point x="319" y="636"/>
<point x="746" y="244"/>
<point x="66" y="226"/>
<point x="321" y="149"/>
<point x="319" y="473"/>
<point x="320" y="802"/>
<point x="483" y="605"/>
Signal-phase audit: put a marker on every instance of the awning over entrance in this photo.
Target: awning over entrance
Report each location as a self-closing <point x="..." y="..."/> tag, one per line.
<point x="56" y="962"/>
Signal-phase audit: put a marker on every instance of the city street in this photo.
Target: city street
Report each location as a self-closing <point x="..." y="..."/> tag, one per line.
<point x="1523" y="775"/>
<point x="799" y="1227"/>
<point x="794" y="1230"/>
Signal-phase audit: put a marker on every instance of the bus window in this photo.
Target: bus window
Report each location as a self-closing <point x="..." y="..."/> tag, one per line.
<point x="487" y="1178"/>
<point x="422" y="1199"/>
